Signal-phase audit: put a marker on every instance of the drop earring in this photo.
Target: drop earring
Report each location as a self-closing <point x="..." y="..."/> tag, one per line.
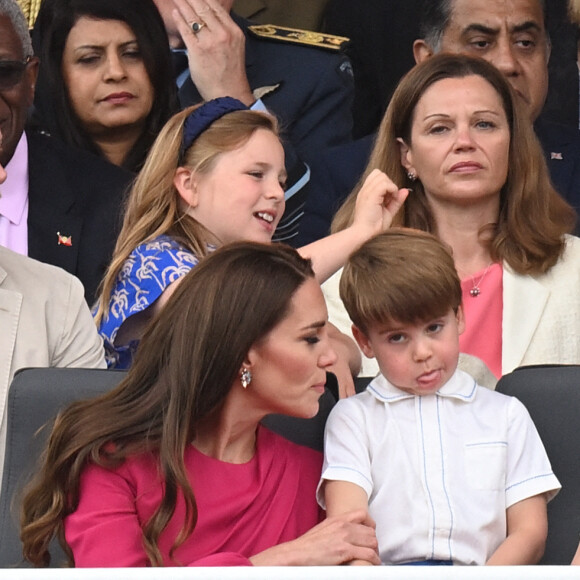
<point x="245" y="377"/>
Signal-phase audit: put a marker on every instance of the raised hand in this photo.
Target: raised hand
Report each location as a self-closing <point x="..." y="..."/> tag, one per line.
<point x="377" y="202"/>
<point x="216" y="51"/>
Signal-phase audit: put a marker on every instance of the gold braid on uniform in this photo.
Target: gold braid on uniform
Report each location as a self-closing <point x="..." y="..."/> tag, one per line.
<point x="30" y="9"/>
<point x="297" y="36"/>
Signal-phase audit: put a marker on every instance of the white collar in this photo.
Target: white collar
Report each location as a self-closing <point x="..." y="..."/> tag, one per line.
<point x="461" y="386"/>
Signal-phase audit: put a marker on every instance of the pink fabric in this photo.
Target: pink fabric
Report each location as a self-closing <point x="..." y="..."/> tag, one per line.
<point x="14" y="201"/>
<point x="242" y="509"/>
<point x="483" y="318"/>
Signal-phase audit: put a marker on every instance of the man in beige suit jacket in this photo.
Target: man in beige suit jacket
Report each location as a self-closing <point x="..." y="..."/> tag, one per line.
<point x="44" y="322"/>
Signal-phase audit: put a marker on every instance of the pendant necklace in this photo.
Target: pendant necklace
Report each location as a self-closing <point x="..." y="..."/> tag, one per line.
<point x="475" y="290"/>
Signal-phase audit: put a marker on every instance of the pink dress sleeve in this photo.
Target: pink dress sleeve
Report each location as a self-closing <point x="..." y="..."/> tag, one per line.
<point x="242" y="509"/>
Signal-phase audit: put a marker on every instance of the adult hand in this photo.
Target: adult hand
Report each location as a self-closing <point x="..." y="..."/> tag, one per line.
<point x="348" y="362"/>
<point x="377" y="202"/>
<point x="334" y="541"/>
<point x="216" y="53"/>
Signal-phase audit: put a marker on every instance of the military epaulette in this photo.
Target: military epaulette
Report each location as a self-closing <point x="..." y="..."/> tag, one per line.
<point x="297" y="36"/>
<point x="30" y="9"/>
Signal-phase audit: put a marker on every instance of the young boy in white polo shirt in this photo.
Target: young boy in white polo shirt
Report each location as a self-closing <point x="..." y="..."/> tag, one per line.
<point x="451" y="472"/>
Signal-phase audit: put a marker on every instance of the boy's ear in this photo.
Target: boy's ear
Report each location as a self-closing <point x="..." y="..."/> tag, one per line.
<point x="363" y="341"/>
<point x="460" y="317"/>
<point x="184" y="182"/>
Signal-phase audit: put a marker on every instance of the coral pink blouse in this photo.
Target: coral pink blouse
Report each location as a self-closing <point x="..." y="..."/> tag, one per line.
<point x="483" y="316"/>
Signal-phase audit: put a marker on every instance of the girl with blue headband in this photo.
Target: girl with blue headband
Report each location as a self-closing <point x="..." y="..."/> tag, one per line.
<point x="214" y="175"/>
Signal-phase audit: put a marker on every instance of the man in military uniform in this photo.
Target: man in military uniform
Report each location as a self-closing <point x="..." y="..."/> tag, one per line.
<point x="300" y="77"/>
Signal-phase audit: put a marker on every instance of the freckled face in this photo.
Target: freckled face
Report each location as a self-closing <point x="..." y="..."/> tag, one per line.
<point x="460" y="141"/>
<point x="107" y="82"/>
<point x="289" y="365"/>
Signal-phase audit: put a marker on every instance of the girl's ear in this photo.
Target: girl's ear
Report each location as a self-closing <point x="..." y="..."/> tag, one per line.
<point x="406" y="155"/>
<point x="184" y="182"/>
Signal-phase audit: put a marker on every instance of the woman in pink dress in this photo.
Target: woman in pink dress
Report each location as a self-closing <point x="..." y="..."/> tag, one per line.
<point x="173" y="467"/>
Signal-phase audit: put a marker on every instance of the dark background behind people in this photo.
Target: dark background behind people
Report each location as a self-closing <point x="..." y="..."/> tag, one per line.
<point x="381" y="50"/>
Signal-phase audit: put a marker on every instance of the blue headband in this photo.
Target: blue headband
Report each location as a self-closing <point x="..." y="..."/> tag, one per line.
<point x="201" y="118"/>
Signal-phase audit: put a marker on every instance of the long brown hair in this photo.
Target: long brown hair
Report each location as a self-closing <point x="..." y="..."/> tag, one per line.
<point x="532" y="219"/>
<point x="187" y="362"/>
<point x="154" y="206"/>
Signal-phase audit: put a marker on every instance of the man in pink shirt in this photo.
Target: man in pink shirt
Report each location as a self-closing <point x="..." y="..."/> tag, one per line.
<point x="58" y="204"/>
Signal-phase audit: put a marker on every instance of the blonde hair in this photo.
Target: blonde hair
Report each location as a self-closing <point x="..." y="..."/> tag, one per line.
<point x="532" y="219"/>
<point x="401" y="275"/>
<point x="154" y="207"/>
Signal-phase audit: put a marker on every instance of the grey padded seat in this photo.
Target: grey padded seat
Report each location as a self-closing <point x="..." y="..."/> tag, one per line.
<point x="551" y="394"/>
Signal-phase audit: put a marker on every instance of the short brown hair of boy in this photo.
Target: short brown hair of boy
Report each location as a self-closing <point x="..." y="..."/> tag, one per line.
<point x="401" y="275"/>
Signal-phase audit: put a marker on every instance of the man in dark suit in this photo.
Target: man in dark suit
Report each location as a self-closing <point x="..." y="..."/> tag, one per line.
<point x="309" y="88"/>
<point x="511" y="34"/>
<point x="68" y="202"/>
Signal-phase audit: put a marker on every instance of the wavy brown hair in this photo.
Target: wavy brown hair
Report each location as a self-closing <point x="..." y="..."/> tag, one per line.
<point x="154" y="206"/>
<point x="188" y="361"/>
<point x="533" y="218"/>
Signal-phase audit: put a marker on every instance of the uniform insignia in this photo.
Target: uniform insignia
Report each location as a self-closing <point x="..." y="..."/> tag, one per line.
<point x="64" y="240"/>
<point x="297" y="36"/>
<point x="263" y="91"/>
<point x="30" y="9"/>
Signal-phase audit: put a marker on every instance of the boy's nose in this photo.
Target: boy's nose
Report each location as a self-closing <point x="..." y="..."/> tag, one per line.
<point x="422" y="350"/>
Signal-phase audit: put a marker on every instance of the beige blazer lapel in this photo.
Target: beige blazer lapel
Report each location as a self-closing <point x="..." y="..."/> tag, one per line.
<point x="10" y="305"/>
<point x="524" y="301"/>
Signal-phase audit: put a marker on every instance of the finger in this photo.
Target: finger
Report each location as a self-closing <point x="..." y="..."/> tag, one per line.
<point x="185" y="13"/>
<point x="367" y="554"/>
<point x="216" y="7"/>
<point x="212" y="14"/>
<point x="346" y="387"/>
<point x="394" y="203"/>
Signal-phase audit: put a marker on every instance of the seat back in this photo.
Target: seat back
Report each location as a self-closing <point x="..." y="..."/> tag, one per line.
<point x="551" y="394"/>
<point x="34" y="399"/>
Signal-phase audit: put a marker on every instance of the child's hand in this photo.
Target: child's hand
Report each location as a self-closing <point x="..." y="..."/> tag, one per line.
<point x="377" y="202"/>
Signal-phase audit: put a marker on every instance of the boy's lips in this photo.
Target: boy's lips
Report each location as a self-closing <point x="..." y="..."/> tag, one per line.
<point x="430" y="377"/>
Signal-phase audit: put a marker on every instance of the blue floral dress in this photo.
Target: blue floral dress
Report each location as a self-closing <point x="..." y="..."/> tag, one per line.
<point x="146" y="273"/>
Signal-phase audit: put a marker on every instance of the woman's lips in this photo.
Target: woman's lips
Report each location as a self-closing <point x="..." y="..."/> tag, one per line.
<point x="119" y="98"/>
<point x="465" y="167"/>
